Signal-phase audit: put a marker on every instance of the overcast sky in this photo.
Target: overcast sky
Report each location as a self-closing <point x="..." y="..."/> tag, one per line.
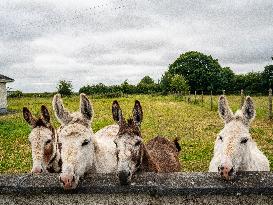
<point x="108" y="41"/>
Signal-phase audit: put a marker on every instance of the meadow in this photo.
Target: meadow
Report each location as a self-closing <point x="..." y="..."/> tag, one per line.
<point x="169" y="116"/>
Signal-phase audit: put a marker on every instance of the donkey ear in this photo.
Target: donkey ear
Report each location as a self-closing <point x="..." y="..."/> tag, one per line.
<point x="117" y="112"/>
<point x="224" y="111"/>
<point x="28" y="117"/>
<point x="248" y="110"/>
<point x="86" y="107"/>
<point x="45" y="113"/>
<point x="137" y="113"/>
<point x="61" y="113"/>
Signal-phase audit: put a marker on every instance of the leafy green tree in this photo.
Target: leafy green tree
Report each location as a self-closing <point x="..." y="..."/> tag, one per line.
<point x="226" y="80"/>
<point x="128" y="88"/>
<point x="201" y="71"/>
<point x="147" y="80"/>
<point x="65" y="88"/>
<point x="147" y="85"/>
<point x="267" y="77"/>
<point x="165" y="82"/>
<point x="178" y="83"/>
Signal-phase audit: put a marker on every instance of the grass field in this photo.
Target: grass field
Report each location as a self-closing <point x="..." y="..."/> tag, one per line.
<point x="167" y="116"/>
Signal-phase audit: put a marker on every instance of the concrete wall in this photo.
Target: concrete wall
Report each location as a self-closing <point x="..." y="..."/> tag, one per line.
<point x="148" y="188"/>
<point x="3" y="98"/>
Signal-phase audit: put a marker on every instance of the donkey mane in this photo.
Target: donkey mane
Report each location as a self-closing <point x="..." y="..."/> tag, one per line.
<point x="129" y="128"/>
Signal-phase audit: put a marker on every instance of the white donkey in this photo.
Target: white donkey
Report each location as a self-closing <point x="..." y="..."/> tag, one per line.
<point x="82" y="151"/>
<point x="234" y="148"/>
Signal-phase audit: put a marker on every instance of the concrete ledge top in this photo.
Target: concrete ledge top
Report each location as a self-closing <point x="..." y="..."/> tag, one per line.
<point x="198" y="184"/>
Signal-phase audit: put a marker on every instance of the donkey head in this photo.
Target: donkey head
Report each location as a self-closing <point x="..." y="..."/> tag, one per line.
<point x="42" y="139"/>
<point x="128" y="141"/>
<point x="234" y="141"/>
<point x="76" y="137"/>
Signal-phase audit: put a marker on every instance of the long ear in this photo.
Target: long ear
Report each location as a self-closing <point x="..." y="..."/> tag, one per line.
<point x="28" y="117"/>
<point x="224" y="111"/>
<point x="61" y="113"/>
<point x="117" y="112"/>
<point x="137" y="113"/>
<point x="45" y="114"/>
<point x="86" y="107"/>
<point x="248" y="110"/>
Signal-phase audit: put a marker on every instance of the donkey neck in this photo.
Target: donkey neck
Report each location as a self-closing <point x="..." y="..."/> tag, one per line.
<point x="249" y="160"/>
<point x="53" y="157"/>
<point x="147" y="162"/>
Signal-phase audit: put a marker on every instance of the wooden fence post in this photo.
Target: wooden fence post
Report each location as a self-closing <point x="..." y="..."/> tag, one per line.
<point x="211" y="102"/>
<point x="242" y="98"/>
<point x="270" y="114"/>
<point x="189" y="99"/>
<point x="195" y="97"/>
<point x="224" y="92"/>
<point x="202" y="97"/>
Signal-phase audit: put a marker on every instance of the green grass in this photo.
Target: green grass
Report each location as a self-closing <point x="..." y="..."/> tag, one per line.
<point x="168" y="116"/>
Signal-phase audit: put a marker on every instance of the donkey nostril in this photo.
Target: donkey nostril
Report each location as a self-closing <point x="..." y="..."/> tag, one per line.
<point x="73" y="179"/>
<point x="231" y="171"/>
<point x="221" y="173"/>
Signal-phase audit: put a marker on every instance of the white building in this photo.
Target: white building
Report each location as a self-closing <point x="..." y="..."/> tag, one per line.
<point x="3" y="93"/>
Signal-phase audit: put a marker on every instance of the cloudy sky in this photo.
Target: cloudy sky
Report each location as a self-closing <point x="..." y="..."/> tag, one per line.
<point x="108" y="41"/>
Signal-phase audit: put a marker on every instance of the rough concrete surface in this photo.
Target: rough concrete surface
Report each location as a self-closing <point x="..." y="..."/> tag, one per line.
<point x="148" y="188"/>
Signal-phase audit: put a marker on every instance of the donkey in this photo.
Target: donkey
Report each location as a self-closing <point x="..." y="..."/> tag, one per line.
<point x="234" y="148"/>
<point x="82" y="150"/>
<point x="158" y="155"/>
<point x="44" y="142"/>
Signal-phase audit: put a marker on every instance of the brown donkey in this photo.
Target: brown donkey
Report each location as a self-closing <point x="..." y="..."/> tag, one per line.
<point x="158" y="155"/>
<point x="44" y="142"/>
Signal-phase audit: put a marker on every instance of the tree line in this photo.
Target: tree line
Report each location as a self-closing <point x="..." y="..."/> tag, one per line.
<point x="193" y="71"/>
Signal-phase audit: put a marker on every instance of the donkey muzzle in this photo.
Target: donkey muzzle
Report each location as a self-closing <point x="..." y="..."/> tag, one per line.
<point x="68" y="181"/>
<point x="37" y="170"/>
<point x="226" y="172"/>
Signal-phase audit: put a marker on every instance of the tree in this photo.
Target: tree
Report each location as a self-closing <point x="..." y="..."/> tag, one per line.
<point x="65" y="88"/>
<point x="267" y="77"/>
<point x="226" y="80"/>
<point x="173" y="83"/>
<point x="128" y="88"/>
<point x="147" y="85"/>
<point x="147" y="80"/>
<point x="165" y="82"/>
<point x="178" y="83"/>
<point x="201" y="71"/>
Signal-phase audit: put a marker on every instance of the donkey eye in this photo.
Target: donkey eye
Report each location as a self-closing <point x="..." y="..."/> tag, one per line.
<point x="221" y="138"/>
<point x="137" y="143"/>
<point x="85" y="142"/>
<point x="243" y="141"/>
<point x="48" y="141"/>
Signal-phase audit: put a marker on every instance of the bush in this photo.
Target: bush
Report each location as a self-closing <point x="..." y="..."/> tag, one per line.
<point x="15" y="94"/>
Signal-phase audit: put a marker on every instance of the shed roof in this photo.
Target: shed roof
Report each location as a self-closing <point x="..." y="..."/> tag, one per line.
<point x="5" y="79"/>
